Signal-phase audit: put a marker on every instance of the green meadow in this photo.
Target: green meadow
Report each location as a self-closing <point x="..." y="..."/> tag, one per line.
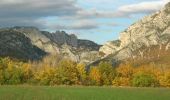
<point x="82" y="93"/>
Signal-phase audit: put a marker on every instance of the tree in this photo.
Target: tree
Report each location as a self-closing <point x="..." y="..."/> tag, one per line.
<point x="81" y="68"/>
<point x="46" y="76"/>
<point x="125" y="70"/>
<point x="27" y="72"/>
<point x="13" y="73"/>
<point x="95" y="76"/>
<point x="165" y="79"/>
<point x="107" y="73"/>
<point x="68" y="73"/>
<point x="124" y="75"/>
<point x="144" y="80"/>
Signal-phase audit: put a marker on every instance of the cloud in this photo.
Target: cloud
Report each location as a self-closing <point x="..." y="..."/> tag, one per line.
<point x="141" y="8"/>
<point x="35" y="12"/>
<point x="37" y="8"/>
<point x="79" y="25"/>
<point x="125" y="11"/>
<point x="30" y="12"/>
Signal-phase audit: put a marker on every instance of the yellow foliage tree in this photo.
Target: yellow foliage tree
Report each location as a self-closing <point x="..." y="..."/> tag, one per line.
<point x="124" y="75"/>
<point x="68" y="72"/>
<point x="125" y="70"/>
<point x="27" y="71"/>
<point x="46" y="76"/>
<point x="81" y="68"/>
<point x="95" y="76"/>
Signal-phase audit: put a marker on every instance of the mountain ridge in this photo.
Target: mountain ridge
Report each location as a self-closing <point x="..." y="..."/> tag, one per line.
<point x="151" y="30"/>
<point x="53" y="43"/>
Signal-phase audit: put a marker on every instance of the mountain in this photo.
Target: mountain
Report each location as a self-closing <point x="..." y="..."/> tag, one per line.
<point x="16" y="44"/>
<point x="61" y="37"/>
<point x="152" y="30"/>
<point x="145" y="38"/>
<point x="33" y="44"/>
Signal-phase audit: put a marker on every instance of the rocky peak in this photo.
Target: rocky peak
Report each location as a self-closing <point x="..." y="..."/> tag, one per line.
<point x="167" y="6"/>
<point x="37" y="38"/>
<point x="61" y="37"/>
<point x="32" y="43"/>
<point x="151" y="30"/>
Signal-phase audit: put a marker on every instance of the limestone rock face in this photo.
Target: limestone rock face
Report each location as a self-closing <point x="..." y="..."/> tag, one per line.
<point x="61" y="37"/>
<point x="38" y="39"/>
<point x="31" y="40"/>
<point x="88" y="45"/>
<point x="151" y="30"/>
<point x="15" y="44"/>
<point x="110" y="47"/>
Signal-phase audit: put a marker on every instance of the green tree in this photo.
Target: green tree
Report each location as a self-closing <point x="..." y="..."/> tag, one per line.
<point x="68" y="73"/>
<point x="13" y="73"/>
<point x="107" y="73"/>
<point x="144" y="80"/>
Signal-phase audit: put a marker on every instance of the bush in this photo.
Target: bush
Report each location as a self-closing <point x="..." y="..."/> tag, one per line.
<point x="107" y="72"/>
<point x="13" y="76"/>
<point x="144" y="80"/>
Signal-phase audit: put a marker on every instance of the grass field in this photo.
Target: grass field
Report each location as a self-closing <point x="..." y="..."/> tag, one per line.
<point x="82" y="93"/>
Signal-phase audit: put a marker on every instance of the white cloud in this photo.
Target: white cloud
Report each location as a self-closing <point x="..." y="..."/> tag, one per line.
<point x="143" y="7"/>
<point x="32" y="12"/>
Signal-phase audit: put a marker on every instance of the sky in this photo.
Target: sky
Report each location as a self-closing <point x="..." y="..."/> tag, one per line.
<point x="96" y="20"/>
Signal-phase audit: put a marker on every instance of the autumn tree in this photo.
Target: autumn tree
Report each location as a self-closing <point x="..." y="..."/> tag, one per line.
<point x="82" y="74"/>
<point x="68" y="72"/>
<point x="46" y="76"/>
<point x="95" y="76"/>
<point x="27" y="72"/>
<point x="124" y="75"/>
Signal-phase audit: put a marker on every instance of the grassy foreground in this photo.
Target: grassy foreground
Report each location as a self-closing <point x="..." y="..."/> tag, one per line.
<point x="82" y="93"/>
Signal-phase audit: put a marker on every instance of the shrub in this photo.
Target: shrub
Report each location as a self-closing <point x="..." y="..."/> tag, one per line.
<point x="107" y="73"/>
<point x="144" y="80"/>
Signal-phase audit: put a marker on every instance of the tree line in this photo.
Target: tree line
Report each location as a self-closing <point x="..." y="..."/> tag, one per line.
<point x="56" y="71"/>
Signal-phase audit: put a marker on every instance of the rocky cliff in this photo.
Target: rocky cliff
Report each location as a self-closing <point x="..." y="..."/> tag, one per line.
<point x="61" y="38"/>
<point x="32" y="43"/>
<point x="149" y="31"/>
<point x="15" y="44"/>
